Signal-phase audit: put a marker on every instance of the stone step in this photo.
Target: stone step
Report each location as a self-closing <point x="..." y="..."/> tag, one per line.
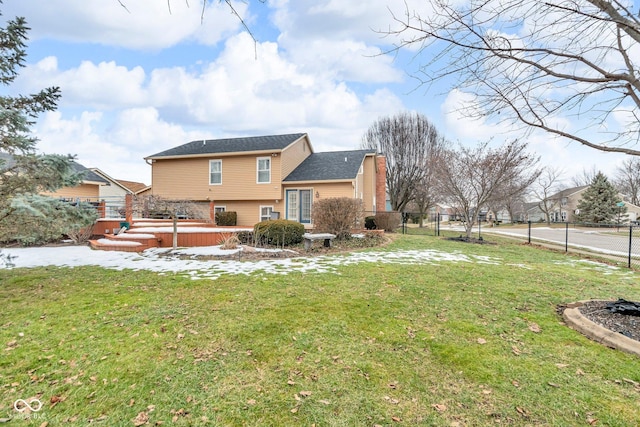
<point x="127" y="242"/>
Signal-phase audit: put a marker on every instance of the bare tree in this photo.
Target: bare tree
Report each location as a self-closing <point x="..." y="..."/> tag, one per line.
<point x="627" y="179"/>
<point x="516" y="207"/>
<point x="536" y="63"/>
<point x="425" y="193"/>
<point x="471" y="178"/>
<point x="548" y="183"/>
<point x="407" y="140"/>
<point x="585" y="177"/>
<point x="171" y="209"/>
<point x="511" y="199"/>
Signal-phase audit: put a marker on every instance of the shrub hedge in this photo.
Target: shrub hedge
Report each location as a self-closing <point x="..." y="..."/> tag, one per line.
<point x="229" y="218"/>
<point x="279" y="232"/>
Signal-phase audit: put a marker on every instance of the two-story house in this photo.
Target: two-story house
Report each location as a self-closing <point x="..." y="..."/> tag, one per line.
<point x="560" y="206"/>
<point x="264" y="177"/>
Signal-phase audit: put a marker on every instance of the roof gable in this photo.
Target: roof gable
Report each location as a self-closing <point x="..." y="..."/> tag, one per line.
<point x="90" y="177"/>
<point x="569" y="192"/>
<point x="133" y="186"/>
<point x="230" y="145"/>
<point x="332" y="165"/>
<point x="128" y="186"/>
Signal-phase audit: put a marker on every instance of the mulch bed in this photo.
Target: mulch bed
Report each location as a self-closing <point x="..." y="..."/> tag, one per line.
<point x="624" y="324"/>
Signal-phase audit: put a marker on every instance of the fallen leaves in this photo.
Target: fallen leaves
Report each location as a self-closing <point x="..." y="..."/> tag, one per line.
<point x="439" y="407"/>
<point x="141" y="419"/>
<point x="481" y="341"/>
<point x="535" y="328"/>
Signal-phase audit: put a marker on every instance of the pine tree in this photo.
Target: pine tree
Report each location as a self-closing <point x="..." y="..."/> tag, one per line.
<point x="599" y="203"/>
<point x="23" y="173"/>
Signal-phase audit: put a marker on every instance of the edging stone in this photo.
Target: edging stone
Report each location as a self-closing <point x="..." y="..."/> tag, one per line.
<point x="576" y="320"/>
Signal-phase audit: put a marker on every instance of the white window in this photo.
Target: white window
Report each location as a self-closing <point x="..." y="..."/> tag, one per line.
<point x="264" y="170"/>
<point x="292" y="205"/>
<point x="217" y="209"/>
<point x="265" y="212"/>
<point x="215" y="172"/>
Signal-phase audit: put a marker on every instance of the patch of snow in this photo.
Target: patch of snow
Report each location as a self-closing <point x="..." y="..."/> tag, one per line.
<point x="185" y="230"/>
<point x="118" y="243"/>
<point x="128" y="235"/>
<point x="166" y="261"/>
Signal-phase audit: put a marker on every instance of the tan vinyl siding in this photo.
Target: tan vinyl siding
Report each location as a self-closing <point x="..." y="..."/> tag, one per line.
<point x="294" y="154"/>
<point x="189" y="179"/>
<point x="327" y="190"/>
<point x="249" y="211"/>
<point x="369" y="183"/>
<point x="86" y="191"/>
<point x="184" y="179"/>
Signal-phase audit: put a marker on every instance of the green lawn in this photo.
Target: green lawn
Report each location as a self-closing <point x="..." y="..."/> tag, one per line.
<point x="440" y="344"/>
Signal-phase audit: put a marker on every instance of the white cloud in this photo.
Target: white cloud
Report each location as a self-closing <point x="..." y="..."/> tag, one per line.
<point x="144" y="24"/>
<point x="116" y="145"/>
<point x="337" y="38"/>
<point x="112" y="116"/>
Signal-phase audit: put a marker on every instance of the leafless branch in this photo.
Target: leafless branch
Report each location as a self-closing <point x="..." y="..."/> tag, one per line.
<point x="532" y="62"/>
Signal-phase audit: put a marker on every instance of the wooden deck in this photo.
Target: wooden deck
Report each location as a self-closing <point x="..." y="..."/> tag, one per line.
<point x="148" y="233"/>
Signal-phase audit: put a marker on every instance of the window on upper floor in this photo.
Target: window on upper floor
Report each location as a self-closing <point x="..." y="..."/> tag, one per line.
<point x="264" y="170"/>
<point x="215" y="172"/>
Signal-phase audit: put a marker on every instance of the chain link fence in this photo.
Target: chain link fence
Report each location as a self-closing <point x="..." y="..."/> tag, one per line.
<point x="614" y="241"/>
<point x="619" y="242"/>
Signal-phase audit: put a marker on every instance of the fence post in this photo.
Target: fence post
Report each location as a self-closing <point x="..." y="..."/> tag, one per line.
<point x="102" y="208"/>
<point x="128" y="208"/>
<point x="630" y="241"/>
<point x="529" y="233"/>
<point x="438" y="224"/>
<point x="566" y="237"/>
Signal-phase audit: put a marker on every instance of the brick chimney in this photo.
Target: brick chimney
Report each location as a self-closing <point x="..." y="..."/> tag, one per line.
<point x="381" y="183"/>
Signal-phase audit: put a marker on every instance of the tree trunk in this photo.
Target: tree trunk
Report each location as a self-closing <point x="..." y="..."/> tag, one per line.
<point x="175" y="233"/>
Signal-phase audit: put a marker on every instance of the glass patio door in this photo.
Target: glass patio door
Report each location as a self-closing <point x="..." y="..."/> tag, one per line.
<point x="299" y="206"/>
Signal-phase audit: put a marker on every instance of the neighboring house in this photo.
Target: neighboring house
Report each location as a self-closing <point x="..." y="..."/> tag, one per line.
<point x="503" y="216"/>
<point x="563" y="207"/>
<point x="119" y="187"/>
<point x="88" y="190"/>
<point x="265" y="177"/>
<point x="114" y="192"/>
<point x="445" y="212"/>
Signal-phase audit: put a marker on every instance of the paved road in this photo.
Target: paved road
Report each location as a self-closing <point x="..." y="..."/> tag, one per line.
<point x="598" y="240"/>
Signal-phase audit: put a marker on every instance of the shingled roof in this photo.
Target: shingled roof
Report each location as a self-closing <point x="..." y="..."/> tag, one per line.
<point x="89" y="175"/>
<point x="230" y="145"/>
<point x="332" y="165"/>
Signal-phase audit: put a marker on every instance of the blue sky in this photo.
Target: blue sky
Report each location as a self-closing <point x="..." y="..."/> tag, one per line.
<point x="138" y="81"/>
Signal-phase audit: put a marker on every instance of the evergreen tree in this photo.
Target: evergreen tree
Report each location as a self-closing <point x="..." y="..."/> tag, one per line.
<point x="599" y="203"/>
<point x="23" y="173"/>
